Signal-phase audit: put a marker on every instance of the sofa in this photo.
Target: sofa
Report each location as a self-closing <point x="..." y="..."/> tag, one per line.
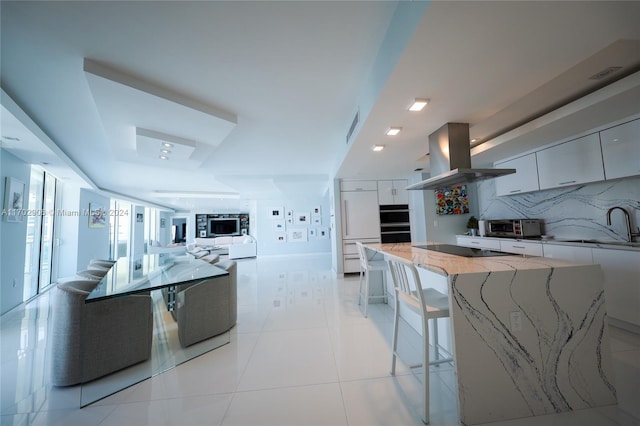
<point x="156" y="248"/>
<point x="237" y="247"/>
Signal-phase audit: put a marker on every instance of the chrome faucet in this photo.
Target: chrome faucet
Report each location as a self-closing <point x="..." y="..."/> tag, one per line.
<point x="630" y="234"/>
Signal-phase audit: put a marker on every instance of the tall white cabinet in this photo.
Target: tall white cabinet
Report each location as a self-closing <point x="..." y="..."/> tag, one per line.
<point x="360" y="219"/>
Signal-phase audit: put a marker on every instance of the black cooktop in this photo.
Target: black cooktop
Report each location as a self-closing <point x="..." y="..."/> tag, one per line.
<point x="462" y="251"/>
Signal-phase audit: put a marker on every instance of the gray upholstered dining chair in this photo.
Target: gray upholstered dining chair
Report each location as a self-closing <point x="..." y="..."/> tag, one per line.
<point x="429" y="304"/>
<point x="208" y="308"/>
<point x="117" y="333"/>
<point x="91" y="274"/>
<point x="102" y="263"/>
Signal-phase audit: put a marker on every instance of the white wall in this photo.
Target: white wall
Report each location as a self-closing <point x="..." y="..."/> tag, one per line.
<point x="12" y="236"/>
<point x="439" y="229"/>
<point x="164" y="234"/>
<point x="93" y="243"/>
<point x="137" y="231"/>
<point x="67" y="228"/>
<point x="417" y="211"/>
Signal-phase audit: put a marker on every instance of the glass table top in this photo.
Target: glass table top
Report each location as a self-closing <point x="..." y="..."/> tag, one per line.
<point x="131" y="275"/>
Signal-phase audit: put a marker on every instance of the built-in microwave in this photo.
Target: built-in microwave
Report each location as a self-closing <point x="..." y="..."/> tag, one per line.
<point x="514" y="228"/>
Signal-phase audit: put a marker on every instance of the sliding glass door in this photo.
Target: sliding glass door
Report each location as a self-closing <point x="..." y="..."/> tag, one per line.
<point x="46" y="240"/>
<point x="40" y="232"/>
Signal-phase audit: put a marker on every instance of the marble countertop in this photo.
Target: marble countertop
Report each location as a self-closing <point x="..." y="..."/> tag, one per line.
<point x="447" y="264"/>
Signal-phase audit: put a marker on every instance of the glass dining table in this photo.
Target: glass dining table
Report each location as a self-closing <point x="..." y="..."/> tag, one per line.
<point x="161" y="276"/>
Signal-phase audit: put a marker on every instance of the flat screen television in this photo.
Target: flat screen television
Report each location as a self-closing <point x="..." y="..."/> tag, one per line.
<point x="224" y="226"/>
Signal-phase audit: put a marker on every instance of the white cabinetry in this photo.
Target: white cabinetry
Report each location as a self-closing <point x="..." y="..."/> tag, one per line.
<point x="360" y="215"/>
<point x="351" y="258"/>
<point x="621" y="269"/>
<point x="569" y="253"/>
<point x="621" y="150"/>
<point x="525" y="179"/>
<point x="358" y="185"/>
<point x="478" y="242"/>
<point x="393" y="192"/>
<point x="571" y="163"/>
<point x="360" y="219"/>
<point x="521" y="247"/>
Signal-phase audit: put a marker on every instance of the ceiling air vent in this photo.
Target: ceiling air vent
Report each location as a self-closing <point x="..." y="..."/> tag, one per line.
<point x="354" y="124"/>
<point x="604" y="73"/>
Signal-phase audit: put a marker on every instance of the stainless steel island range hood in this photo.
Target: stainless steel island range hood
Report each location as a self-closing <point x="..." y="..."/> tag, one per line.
<point x="450" y="160"/>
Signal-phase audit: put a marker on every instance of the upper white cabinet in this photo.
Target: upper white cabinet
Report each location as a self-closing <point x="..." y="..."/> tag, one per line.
<point x="571" y="163"/>
<point x="621" y="150"/>
<point x="525" y="179"/>
<point x="358" y="185"/>
<point x="393" y="192"/>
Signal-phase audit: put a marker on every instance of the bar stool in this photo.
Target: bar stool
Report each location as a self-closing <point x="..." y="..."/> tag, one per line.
<point x="429" y="303"/>
<point x="366" y="267"/>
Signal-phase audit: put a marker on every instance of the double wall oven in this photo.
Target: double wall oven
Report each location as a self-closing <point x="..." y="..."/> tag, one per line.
<point x="394" y="223"/>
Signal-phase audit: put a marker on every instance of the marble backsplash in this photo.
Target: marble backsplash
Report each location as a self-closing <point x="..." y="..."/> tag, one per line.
<point x="577" y="212"/>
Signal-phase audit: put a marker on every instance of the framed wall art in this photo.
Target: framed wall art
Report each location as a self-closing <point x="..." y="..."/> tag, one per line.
<point x="301" y="218"/>
<point x="297" y="235"/>
<point x="97" y="216"/>
<point x="13" y="199"/>
<point x="278" y="225"/>
<point x="277" y="213"/>
<point x="452" y="200"/>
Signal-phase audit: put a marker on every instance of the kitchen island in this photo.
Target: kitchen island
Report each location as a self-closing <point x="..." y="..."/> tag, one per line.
<point x="529" y="333"/>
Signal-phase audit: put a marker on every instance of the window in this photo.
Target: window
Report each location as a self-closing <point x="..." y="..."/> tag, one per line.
<point x="39" y="251"/>
<point x="151" y="235"/>
<point x="120" y="228"/>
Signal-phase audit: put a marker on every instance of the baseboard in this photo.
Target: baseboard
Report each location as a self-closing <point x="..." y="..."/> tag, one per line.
<point x="627" y="326"/>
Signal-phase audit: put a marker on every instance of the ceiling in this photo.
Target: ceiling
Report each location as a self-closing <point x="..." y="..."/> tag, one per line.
<point x="257" y="97"/>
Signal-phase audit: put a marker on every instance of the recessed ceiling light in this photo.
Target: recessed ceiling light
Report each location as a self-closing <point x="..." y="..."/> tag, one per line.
<point x="474" y="140"/>
<point x="167" y="145"/>
<point x="164" y="157"/>
<point x="418" y="104"/>
<point x="393" y="131"/>
<point x="377" y="148"/>
<point x="165" y="151"/>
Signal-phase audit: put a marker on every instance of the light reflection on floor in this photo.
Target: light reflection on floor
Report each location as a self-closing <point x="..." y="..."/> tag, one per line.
<point x="301" y="353"/>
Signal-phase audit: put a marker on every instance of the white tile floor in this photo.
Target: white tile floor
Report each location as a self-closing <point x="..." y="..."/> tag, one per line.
<point x="301" y="353"/>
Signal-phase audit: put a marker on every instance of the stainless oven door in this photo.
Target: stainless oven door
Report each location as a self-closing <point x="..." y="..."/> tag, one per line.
<point x="394" y="223"/>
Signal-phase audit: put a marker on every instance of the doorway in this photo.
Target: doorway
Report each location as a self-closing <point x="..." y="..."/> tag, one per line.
<point x="178" y="230"/>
